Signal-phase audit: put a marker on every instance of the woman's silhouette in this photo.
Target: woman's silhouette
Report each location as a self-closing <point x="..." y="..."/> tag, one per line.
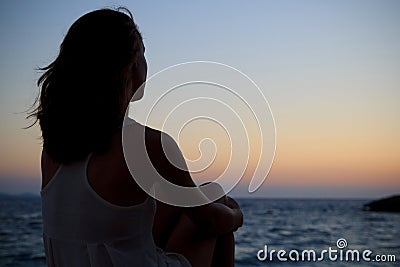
<point x="94" y="213"/>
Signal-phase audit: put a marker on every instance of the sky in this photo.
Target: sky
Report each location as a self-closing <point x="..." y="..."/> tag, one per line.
<point x="330" y="71"/>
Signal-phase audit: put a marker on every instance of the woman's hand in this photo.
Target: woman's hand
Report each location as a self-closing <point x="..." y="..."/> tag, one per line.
<point x="231" y="203"/>
<point x="220" y="217"/>
<point x="230" y="217"/>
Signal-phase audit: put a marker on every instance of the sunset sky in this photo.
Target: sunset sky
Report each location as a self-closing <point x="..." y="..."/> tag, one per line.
<point x="330" y="71"/>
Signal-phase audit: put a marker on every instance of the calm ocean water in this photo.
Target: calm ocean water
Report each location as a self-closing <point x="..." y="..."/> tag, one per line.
<point x="278" y="223"/>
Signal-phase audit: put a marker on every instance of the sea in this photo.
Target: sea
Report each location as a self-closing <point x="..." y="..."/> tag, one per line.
<point x="296" y="228"/>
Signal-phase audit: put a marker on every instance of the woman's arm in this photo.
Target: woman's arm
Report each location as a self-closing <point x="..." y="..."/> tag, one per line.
<point x="219" y="217"/>
<point x="216" y="218"/>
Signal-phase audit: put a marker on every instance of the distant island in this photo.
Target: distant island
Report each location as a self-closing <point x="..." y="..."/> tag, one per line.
<point x="22" y="195"/>
<point x="390" y="204"/>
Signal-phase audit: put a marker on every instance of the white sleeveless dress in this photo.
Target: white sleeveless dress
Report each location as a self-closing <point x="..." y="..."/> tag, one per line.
<point x="82" y="229"/>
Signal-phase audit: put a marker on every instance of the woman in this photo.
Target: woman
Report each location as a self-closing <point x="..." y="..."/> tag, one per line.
<point x="94" y="213"/>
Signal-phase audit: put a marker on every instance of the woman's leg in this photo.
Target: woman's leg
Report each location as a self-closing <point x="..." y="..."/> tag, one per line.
<point x="186" y="239"/>
<point x="165" y="221"/>
<point x="175" y="232"/>
<point x="167" y="217"/>
<point x="224" y="252"/>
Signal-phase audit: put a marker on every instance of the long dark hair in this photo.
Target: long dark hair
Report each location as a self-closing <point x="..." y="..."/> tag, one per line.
<point x="84" y="90"/>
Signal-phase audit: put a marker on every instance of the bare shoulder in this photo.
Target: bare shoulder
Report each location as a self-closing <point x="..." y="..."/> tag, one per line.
<point x="162" y="150"/>
<point x="156" y="141"/>
<point x="167" y="157"/>
<point x="134" y="132"/>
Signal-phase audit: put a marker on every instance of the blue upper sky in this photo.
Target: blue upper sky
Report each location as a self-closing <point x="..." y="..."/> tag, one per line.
<point x="330" y="70"/>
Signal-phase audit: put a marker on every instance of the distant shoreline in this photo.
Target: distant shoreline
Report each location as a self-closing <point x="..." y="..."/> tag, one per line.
<point x="22" y="195"/>
<point x="32" y="195"/>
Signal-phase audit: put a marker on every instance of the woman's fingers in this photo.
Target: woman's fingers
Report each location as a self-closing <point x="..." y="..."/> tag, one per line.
<point x="230" y="202"/>
<point x="239" y="219"/>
